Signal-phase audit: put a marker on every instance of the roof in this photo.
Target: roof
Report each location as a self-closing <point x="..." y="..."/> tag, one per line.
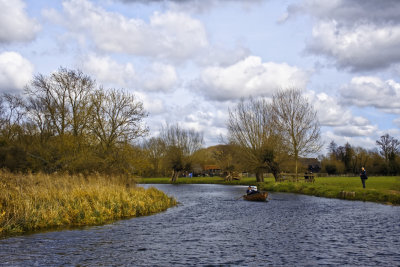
<point x="211" y="167"/>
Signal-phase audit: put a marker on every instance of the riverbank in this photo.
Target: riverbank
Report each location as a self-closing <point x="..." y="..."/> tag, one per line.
<point x="380" y="189"/>
<point x="37" y="202"/>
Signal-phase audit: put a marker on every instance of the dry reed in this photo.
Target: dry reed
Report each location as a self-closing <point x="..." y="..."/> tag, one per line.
<point x="33" y="202"/>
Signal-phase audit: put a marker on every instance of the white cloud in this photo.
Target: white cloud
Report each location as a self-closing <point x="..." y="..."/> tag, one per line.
<point x="249" y="77"/>
<point x="169" y="35"/>
<point x="152" y="104"/>
<point x="15" y="25"/>
<point x="367" y="91"/>
<point x="217" y="55"/>
<point x="207" y="118"/>
<point x="361" y="47"/>
<point x="356" y="130"/>
<point x="330" y="112"/>
<point x="15" y="71"/>
<point x="108" y="71"/>
<point x="356" y="34"/>
<point x="158" y="77"/>
<point x="154" y="78"/>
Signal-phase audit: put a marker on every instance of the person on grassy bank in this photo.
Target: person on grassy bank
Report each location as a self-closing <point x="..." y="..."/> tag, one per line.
<point x="363" y="176"/>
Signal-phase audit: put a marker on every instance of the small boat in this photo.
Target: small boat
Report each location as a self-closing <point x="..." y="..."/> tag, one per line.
<point x="259" y="196"/>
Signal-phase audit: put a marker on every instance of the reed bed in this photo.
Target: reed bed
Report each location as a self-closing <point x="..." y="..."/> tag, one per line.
<point x="36" y="202"/>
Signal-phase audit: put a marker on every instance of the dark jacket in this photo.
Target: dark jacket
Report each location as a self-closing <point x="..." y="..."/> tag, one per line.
<point x="363" y="174"/>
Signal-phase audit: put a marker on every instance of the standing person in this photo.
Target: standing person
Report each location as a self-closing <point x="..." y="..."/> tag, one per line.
<point x="363" y="176"/>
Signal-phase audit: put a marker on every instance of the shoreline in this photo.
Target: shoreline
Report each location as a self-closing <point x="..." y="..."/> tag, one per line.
<point x="382" y="190"/>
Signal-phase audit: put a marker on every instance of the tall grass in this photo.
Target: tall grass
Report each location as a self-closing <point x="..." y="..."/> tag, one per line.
<point x="33" y="202"/>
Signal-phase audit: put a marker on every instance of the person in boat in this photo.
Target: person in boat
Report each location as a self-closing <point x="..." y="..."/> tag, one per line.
<point x="251" y="190"/>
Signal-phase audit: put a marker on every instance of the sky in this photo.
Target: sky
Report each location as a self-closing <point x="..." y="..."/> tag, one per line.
<point x="189" y="61"/>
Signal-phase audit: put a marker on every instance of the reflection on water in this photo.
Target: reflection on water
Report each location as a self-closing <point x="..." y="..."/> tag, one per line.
<point x="210" y="227"/>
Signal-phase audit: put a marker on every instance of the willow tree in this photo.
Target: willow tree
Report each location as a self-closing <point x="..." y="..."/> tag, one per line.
<point x="296" y="121"/>
<point x="250" y="129"/>
<point x="180" y="145"/>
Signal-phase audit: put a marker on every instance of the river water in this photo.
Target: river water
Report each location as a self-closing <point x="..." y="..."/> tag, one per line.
<point x="210" y="227"/>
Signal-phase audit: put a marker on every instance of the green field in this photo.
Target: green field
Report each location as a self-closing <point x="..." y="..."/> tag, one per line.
<point x="381" y="189"/>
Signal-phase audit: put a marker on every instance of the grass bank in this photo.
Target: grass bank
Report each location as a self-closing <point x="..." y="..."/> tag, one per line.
<point x="378" y="189"/>
<point x="37" y="202"/>
<point x="382" y="189"/>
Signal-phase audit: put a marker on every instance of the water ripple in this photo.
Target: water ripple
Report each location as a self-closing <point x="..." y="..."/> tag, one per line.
<point x="211" y="228"/>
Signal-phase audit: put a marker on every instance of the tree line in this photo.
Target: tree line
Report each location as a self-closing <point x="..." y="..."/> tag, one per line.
<point x="348" y="159"/>
<point x="65" y="122"/>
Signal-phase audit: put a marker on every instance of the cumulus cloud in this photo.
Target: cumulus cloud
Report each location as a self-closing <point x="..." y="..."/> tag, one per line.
<point x="221" y="56"/>
<point x="108" y="71"/>
<point x="356" y="34"/>
<point x="169" y="35"/>
<point x="330" y="112"/>
<point x="158" y="77"/>
<point x="152" y="104"/>
<point x="206" y="117"/>
<point x="349" y="11"/>
<point x="362" y="47"/>
<point x="367" y="91"/>
<point x="15" y="71"/>
<point x="249" y="76"/>
<point x="356" y="130"/>
<point x="15" y="24"/>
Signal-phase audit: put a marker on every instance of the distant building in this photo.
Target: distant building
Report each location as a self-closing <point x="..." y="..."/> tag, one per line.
<point x="212" y="170"/>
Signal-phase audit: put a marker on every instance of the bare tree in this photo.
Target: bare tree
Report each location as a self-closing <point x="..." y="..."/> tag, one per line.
<point x="359" y="159"/>
<point x="11" y="115"/>
<point x="156" y="150"/>
<point x="180" y="147"/>
<point x="38" y="118"/>
<point x="62" y="99"/>
<point x="389" y="146"/>
<point x="296" y="121"/>
<point x="250" y="129"/>
<point x="117" y="117"/>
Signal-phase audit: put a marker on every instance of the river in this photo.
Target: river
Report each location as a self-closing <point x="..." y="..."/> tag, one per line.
<point x="210" y="227"/>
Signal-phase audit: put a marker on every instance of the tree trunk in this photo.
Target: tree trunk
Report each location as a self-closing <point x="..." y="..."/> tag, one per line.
<point x="259" y="176"/>
<point x="174" y="177"/>
<point x="274" y="167"/>
<point x="228" y="177"/>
